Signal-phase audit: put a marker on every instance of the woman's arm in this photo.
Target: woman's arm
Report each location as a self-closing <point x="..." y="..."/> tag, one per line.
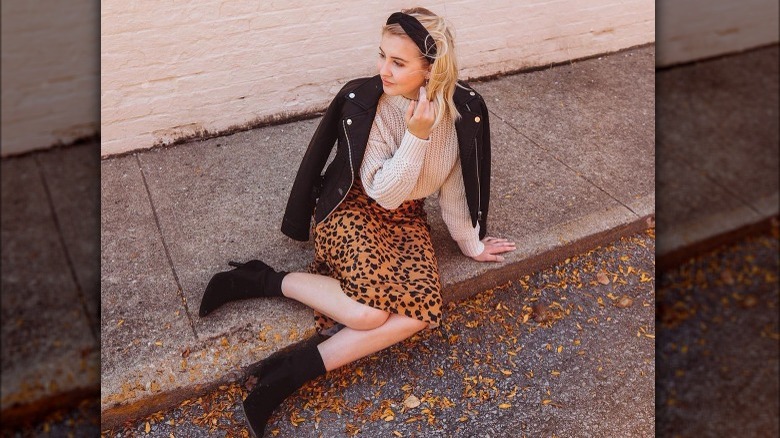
<point x="455" y="213"/>
<point x="390" y="170"/>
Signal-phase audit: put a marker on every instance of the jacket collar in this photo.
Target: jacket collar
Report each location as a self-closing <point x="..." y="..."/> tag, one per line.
<point x="367" y="94"/>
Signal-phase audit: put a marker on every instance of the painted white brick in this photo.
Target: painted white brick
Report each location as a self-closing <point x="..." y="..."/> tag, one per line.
<point x="175" y="68"/>
<point x="695" y="29"/>
<point x="49" y="73"/>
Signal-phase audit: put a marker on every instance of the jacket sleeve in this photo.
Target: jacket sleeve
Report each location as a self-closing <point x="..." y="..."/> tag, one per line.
<point x="484" y="171"/>
<point x="300" y="206"/>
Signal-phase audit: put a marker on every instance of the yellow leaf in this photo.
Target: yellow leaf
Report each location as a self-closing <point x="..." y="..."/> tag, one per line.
<point x="148" y="427"/>
<point x="411" y="402"/>
<point x="505" y="406"/>
<point x="560" y="348"/>
<point x="506" y="372"/>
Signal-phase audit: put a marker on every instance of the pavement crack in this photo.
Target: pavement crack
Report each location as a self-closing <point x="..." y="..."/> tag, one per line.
<point x="68" y="257"/>
<point x="576" y="172"/>
<point x="165" y="248"/>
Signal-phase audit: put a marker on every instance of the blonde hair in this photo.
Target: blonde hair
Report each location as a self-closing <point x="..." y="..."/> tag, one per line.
<point x="444" y="70"/>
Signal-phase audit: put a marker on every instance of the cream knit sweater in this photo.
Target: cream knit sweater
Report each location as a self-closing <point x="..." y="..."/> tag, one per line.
<point x="399" y="166"/>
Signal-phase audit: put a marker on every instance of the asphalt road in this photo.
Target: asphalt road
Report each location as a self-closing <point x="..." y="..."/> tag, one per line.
<point x="719" y="343"/>
<point x="568" y="351"/>
<point x="490" y="371"/>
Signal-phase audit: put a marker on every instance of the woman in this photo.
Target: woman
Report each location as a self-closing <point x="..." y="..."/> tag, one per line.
<point x="407" y="133"/>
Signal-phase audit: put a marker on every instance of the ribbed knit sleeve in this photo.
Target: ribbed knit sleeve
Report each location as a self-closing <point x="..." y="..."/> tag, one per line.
<point x="455" y="213"/>
<point x="390" y="168"/>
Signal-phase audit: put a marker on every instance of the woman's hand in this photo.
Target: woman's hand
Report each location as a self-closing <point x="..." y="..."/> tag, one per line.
<point x="420" y="116"/>
<point x="493" y="247"/>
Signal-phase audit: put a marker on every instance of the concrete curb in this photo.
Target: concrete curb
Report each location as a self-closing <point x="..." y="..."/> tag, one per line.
<point x="455" y="292"/>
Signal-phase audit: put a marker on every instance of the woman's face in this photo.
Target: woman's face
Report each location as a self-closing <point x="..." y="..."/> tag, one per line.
<point x="401" y="66"/>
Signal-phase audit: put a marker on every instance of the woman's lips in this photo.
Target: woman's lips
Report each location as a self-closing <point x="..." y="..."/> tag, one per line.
<point x="384" y="82"/>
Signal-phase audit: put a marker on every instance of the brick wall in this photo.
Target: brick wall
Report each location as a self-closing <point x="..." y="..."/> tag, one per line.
<point x="696" y="29"/>
<point x="173" y="69"/>
<point x="50" y="69"/>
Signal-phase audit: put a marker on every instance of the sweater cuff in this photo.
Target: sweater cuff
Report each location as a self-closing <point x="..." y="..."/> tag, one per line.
<point x="471" y="247"/>
<point x="412" y="149"/>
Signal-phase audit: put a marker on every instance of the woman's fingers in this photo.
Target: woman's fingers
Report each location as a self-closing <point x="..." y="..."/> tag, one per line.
<point x="420" y="116"/>
<point x="410" y="111"/>
<point x="498" y="246"/>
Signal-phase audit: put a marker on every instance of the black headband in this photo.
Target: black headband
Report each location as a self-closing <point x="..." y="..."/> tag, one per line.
<point x="417" y="32"/>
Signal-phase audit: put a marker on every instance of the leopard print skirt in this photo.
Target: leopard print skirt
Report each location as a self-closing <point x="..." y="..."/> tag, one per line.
<point x="382" y="258"/>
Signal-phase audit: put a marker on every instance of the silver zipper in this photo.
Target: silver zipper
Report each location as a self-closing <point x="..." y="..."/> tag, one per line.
<point x="351" y="171"/>
<point x="479" y="188"/>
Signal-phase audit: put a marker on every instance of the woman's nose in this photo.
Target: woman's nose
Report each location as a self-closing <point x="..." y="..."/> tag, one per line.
<point x="384" y="69"/>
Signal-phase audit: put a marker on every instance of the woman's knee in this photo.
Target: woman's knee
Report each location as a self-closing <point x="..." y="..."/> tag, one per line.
<point x="415" y="325"/>
<point x="368" y="318"/>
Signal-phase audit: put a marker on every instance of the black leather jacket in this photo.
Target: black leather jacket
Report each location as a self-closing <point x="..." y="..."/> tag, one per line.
<point x="347" y="122"/>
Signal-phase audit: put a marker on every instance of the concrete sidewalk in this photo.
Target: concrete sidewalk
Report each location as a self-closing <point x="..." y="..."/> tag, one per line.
<point x="573" y="166"/>
<point x="717" y="151"/>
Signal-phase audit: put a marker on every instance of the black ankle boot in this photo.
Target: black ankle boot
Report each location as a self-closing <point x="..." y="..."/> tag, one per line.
<point x="248" y="280"/>
<point x="279" y="377"/>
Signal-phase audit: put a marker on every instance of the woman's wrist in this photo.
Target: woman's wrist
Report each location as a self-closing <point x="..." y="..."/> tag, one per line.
<point x="425" y="136"/>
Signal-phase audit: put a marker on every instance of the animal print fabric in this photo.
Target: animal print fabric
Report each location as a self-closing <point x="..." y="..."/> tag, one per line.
<point x="382" y="258"/>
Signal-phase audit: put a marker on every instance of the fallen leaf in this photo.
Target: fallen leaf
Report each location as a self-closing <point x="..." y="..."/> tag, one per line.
<point x="540" y="313"/>
<point x="411" y="402"/>
<point x="602" y="278"/>
<point x="624" y="302"/>
<point x="727" y="277"/>
<point x="748" y="302"/>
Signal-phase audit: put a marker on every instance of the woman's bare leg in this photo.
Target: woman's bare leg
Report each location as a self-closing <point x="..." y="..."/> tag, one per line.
<point x="349" y="345"/>
<point x="324" y="294"/>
